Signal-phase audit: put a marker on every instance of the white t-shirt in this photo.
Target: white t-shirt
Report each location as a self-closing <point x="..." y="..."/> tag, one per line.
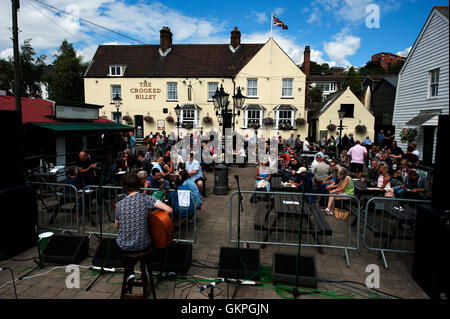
<point x="306" y="145"/>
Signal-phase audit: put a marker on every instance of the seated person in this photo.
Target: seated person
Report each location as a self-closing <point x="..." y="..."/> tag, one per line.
<point x="410" y="156"/>
<point x="291" y="169"/>
<point x="195" y="172"/>
<point x="321" y="172"/>
<point x="367" y="141"/>
<point x="143" y="179"/>
<point x="303" y="181"/>
<point x="156" y="180"/>
<point x="132" y="220"/>
<point x="151" y="155"/>
<point x="159" y="165"/>
<point x="384" y="179"/>
<point x="143" y="164"/>
<point x="347" y="187"/>
<point x="263" y="173"/>
<point x="184" y="182"/>
<point x="335" y="181"/>
<point x="112" y="170"/>
<point x="374" y="171"/>
<point x="413" y="187"/>
<point x="86" y="169"/>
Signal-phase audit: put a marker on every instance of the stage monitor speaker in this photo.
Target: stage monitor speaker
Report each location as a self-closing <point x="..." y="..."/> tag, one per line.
<point x="108" y="254"/>
<point x="441" y="173"/>
<point x="18" y="220"/>
<point x="431" y="249"/>
<point x="66" y="249"/>
<point x="11" y="129"/>
<point x="249" y="265"/>
<point x="177" y="258"/>
<point x="284" y="270"/>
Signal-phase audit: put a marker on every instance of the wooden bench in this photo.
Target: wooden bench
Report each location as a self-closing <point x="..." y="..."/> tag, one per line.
<point x="262" y="209"/>
<point x="319" y="217"/>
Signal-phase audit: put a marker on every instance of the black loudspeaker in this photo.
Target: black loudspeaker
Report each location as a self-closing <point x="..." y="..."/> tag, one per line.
<point x="66" y="249"/>
<point x="177" y="258"/>
<point x="108" y="254"/>
<point x="249" y="265"/>
<point x="18" y="219"/>
<point x="441" y="173"/>
<point x="284" y="270"/>
<point x="431" y="249"/>
<point x="11" y="130"/>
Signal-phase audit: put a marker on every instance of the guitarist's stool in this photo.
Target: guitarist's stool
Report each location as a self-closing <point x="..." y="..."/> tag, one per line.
<point x="146" y="282"/>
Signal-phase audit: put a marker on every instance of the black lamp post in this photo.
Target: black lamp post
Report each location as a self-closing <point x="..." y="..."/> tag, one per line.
<point x="117" y="101"/>
<point x="177" y="112"/>
<point x="341" y="114"/>
<point x="238" y="103"/>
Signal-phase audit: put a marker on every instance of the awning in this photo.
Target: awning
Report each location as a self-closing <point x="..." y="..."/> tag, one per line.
<point x="85" y="127"/>
<point x="254" y="107"/>
<point x="189" y="106"/>
<point x="423" y="118"/>
<point x="285" y="107"/>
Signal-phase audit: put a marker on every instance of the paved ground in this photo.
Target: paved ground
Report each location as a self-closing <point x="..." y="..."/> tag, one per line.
<point x="212" y="234"/>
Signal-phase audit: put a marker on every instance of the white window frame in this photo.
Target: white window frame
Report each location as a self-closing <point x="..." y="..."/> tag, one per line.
<point x="291" y="118"/>
<point x="115" y="119"/>
<point x="247" y="118"/>
<point x="113" y="92"/>
<point x="194" y="120"/>
<point x="210" y="85"/>
<point x="114" y="69"/>
<point x="171" y="91"/>
<point x="285" y="87"/>
<point x="252" y="89"/>
<point x="433" y="83"/>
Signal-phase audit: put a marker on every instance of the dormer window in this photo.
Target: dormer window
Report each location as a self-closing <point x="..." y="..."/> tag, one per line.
<point x="115" y="70"/>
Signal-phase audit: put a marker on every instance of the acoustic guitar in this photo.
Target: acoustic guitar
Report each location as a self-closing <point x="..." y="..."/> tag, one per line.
<point x="161" y="228"/>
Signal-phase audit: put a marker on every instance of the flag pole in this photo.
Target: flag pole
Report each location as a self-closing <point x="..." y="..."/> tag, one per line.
<point x="271" y="36"/>
<point x="271" y="23"/>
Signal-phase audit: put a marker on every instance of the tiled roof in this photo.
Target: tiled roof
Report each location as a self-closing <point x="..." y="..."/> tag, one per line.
<point x="184" y="60"/>
<point x="326" y="104"/>
<point x="37" y="111"/>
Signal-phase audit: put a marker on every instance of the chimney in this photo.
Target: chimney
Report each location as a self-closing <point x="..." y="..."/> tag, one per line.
<point x="165" y="39"/>
<point x="306" y="61"/>
<point x="235" y="38"/>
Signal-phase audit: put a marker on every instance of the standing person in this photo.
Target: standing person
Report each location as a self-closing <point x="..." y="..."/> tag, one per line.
<point x="298" y="144"/>
<point x="358" y="155"/>
<point x="132" y="220"/>
<point x="86" y="169"/>
<point x="345" y="142"/>
<point x="291" y="141"/>
<point x="195" y="172"/>
<point x="388" y="138"/>
<point x="132" y="143"/>
<point x="380" y="138"/>
<point x="351" y="140"/>
<point x="160" y="146"/>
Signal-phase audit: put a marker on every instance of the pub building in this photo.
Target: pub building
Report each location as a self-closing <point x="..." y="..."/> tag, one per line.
<point x="151" y="80"/>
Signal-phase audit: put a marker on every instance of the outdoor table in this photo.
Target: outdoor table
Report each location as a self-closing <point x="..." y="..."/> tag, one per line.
<point x="362" y="189"/>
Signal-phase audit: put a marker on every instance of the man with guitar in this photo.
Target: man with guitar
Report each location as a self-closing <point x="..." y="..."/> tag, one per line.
<point x="132" y="218"/>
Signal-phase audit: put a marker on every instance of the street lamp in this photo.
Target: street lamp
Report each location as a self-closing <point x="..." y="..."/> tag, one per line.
<point x="341" y="114"/>
<point x="177" y="112"/>
<point x="117" y="101"/>
<point x="238" y="103"/>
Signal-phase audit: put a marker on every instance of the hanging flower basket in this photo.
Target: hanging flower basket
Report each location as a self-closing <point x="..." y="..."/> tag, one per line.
<point x="408" y="135"/>
<point x="253" y="124"/>
<point x="128" y="119"/>
<point x="148" y="119"/>
<point x="361" y="129"/>
<point x="300" y="121"/>
<point x="268" y="121"/>
<point x="285" y="126"/>
<point x="187" y="125"/>
<point x="207" y="120"/>
<point x="331" y="127"/>
<point x="170" y="119"/>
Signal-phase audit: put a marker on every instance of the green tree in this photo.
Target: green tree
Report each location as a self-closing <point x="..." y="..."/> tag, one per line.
<point x="315" y="93"/>
<point x="65" y="82"/>
<point x="371" y="68"/>
<point x="396" y="67"/>
<point x="353" y="81"/>
<point x="31" y="72"/>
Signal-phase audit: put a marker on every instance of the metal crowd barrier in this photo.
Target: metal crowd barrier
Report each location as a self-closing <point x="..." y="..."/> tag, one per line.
<point x="58" y="207"/>
<point x="95" y="213"/>
<point x="389" y="225"/>
<point x="272" y="218"/>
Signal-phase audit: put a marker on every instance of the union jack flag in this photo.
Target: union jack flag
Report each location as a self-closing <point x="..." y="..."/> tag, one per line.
<point x="279" y="23"/>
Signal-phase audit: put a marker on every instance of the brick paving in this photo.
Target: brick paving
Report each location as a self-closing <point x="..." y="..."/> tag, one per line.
<point x="212" y="233"/>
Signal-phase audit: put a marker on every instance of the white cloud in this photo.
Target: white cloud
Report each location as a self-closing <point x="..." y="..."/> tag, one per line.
<point x="261" y="17"/>
<point x="7" y="53"/>
<point x="342" y="46"/>
<point x="278" y="11"/>
<point x="405" y="52"/>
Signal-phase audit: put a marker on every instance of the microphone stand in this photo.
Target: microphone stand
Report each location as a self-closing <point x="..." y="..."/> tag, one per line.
<point x="102" y="205"/>
<point x="240" y="207"/>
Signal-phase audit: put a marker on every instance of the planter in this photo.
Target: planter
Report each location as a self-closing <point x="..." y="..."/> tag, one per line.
<point x="268" y="121"/>
<point x="128" y="119"/>
<point x="148" y="119"/>
<point x="408" y="135"/>
<point x="331" y="127"/>
<point x="361" y="129"/>
<point x="300" y="121"/>
<point x="187" y="125"/>
<point x="207" y="120"/>
<point x="170" y="119"/>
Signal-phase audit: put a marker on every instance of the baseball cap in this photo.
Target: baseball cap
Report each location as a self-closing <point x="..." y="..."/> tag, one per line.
<point x="301" y="170"/>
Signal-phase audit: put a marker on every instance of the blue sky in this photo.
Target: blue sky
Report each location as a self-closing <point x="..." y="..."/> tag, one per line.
<point x="335" y="30"/>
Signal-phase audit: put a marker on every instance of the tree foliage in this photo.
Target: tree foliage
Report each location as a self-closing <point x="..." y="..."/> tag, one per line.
<point x="372" y="68"/>
<point x="315" y="93"/>
<point x="396" y="67"/>
<point x="65" y="82"/>
<point x="353" y="81"/>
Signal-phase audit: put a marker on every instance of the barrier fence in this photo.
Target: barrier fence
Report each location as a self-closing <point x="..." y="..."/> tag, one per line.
<point x="273" y="218"/>
<point x="389" y="225"/>
<point x="61" y="207"/>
